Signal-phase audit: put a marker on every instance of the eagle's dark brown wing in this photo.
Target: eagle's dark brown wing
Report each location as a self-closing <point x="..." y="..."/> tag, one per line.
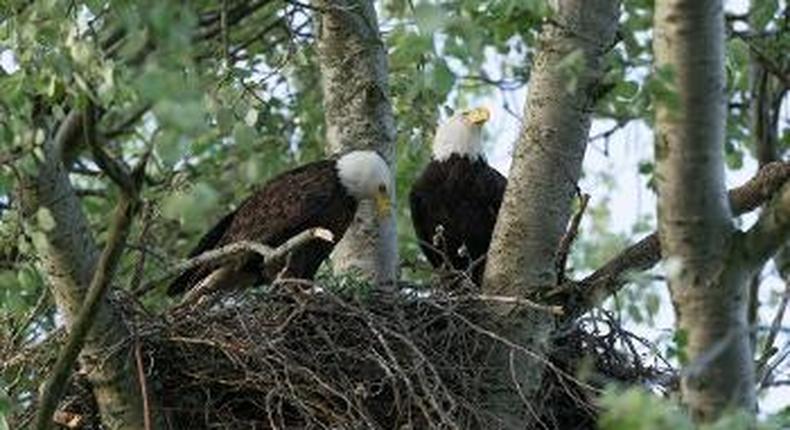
<point x="464" y="197"/>
<point x="306" y="197"/>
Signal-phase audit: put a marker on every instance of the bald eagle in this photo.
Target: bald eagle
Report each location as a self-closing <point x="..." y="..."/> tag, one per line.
<point x="321" y="194"/>
<point x="461" y="193"/>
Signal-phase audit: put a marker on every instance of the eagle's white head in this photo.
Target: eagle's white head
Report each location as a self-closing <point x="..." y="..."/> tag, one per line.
<point x="461" y="135"/>
<point x="365" y="175"/>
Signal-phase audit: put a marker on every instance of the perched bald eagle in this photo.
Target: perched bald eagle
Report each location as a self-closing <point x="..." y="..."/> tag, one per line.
<point x="321" y="194"/>
<point x="461" y="193"/>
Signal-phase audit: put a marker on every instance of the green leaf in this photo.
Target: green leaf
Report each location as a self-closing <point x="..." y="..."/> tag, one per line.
<point x="45" y="220"/>
<point x="442" y="79"/>
<point x="646" y="167"/>
<point x="190" y="208"/>
<point x="244" y="135"/>
<point x="762" y="12"/>
<point x="430" y="17"/>
<point x="652" y="304"/>
<point x="28" y="278"/>
<point x="225" y="120"/>
<point x="661" y="86"/>
<point x="186" y="116"/>
<point x="635" y="409"/>
<point x="571" y="67"/>
<point x="170" y="146"/>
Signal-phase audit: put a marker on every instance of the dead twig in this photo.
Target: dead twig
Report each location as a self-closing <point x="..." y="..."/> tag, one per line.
<point x="564" y="249"/>
<point x="769" y="350"/>
<point x="270" y="256"/>
<point x="138" y="358"/>
<point x="555" y="310"/>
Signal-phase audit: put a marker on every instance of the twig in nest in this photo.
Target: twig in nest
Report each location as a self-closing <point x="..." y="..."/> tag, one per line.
<point x="556" y="310"/>
<point x="567" y="240"/>
<point x="269" y="254"/>
<point x="138" y="358"/>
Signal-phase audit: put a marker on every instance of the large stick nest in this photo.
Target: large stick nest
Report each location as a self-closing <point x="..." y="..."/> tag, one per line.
<point x="318" y="361"/>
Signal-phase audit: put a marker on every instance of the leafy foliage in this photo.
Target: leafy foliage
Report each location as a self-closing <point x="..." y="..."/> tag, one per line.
<point x="636" y="409"/>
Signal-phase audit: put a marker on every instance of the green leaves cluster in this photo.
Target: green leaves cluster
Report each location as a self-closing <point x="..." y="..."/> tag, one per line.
<point x="636" y="409"/>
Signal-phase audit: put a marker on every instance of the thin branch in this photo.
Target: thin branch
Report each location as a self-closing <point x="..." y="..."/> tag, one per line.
<point x="115" y="169"/>
<point x="768" y="63"/>
<point x="511" y="300"/>
<point x="55" y="385"/>
<point x="42" y="304"/>
<point x="770" y="231"/>
<point x="564" y="249"/>
<point x="138" y="358"/>
<point x="125" y="124"/>
<point x="269" y="254"/>
<point x="611" y="277"/>
<point x="68" y="133"/>
<point x="769" y="350"/>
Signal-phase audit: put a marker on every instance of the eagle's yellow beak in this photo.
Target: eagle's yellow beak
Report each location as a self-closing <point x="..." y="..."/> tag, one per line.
<point x="478" y="116"/>
<point x="383" y="204"/>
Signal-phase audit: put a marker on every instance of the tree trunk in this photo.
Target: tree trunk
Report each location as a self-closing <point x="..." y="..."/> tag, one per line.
<point x="68" y="257"/>
<point x="358" y="116"/>
<point x="708" y="278"/>
<point x="542" y="182"/>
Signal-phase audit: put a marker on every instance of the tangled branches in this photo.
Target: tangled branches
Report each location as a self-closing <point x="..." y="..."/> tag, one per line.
<point x="293" y="359"/>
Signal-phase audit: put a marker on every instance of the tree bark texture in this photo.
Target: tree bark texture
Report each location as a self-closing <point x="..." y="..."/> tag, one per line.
<point x="708" y="277"/>
<point x="359" y="115"/>
<point x="541" y="187"/>
<point x="68" y="256"/>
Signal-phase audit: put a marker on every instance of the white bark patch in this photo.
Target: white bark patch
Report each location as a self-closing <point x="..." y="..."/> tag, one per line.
<point x="358" y="116"/>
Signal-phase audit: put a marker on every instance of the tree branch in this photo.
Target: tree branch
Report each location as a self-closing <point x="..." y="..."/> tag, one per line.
<point x="268" y="253"/>
<point x="612" y="276"/>
<point x="56" y="384"/>
<point x="115" y="169"/>
<point x="770" y="232"/>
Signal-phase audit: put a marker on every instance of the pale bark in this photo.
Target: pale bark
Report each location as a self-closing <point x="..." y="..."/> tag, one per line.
<point x="708" y="275"/>
<point x="68" y="257"/>
<point x="358" y="116"/>
<point x="542" y="183"/>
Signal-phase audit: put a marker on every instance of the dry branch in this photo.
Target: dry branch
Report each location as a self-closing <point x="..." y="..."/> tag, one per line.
<point x="268" y="253"/>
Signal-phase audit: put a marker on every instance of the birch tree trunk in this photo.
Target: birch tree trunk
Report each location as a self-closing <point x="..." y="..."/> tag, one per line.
<point x="708" y="277"/>
<point x="358" y="116"/>
<point x="542" y="183"/>
<point x="68" y="258"/>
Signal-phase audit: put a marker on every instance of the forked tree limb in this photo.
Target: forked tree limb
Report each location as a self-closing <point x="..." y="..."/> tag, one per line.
<point x="769" y="233"/>
<point x="612" y="276"/>
<point x="268" y="253"/>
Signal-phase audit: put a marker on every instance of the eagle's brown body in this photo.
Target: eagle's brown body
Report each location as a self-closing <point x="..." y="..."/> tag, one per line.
<point x="306" y="197"/>
<point x="462" y="195"/>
